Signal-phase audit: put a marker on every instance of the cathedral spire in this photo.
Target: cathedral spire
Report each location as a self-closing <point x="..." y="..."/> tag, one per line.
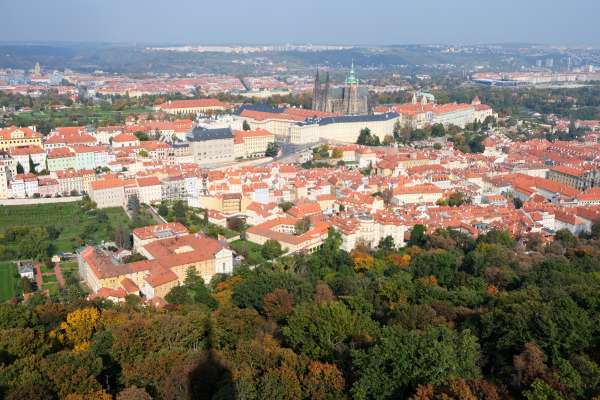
<point x="351" y="78"/>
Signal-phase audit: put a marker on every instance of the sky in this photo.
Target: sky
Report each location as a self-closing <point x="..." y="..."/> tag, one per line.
<point x="352" y="22"/>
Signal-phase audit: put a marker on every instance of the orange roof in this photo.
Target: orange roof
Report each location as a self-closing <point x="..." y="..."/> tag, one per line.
<point x="124" y="137"/>
<point x="60" y="152"/>
<point x="155" y="231"/>
<point x="25" y="150"/>
<point x="7" y="133"/>
<point x="148" y="181"/>
<point x="240" y="136"/>
<point x="107" y="184"/>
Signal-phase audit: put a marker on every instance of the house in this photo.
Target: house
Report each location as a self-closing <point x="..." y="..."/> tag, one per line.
<point x="251" y="144"/>
<point x="417" y="194"/>
<point x="283" y="230"/>
<point x="212" y="146"/>
<point x="124" y="140"/>
<point x="149" y="189"/>
<point x="148" y="234"/>
<point x="17" y="137"/>
<point x="108" y="193"/>
<point x="166" y="266"/>
<point x="28" y="156"/>
<point x="192" y="107"/>
<point x="26" y="270"/>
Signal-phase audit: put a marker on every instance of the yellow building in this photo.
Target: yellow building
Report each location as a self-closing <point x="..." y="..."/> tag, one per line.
<point x="16" y="137"/>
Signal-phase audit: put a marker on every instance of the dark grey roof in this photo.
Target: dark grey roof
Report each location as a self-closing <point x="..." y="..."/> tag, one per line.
<point x="200" y="134"/>
<point x="357" y="118"/>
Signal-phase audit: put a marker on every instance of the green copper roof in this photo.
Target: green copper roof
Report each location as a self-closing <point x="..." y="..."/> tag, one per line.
<point x="351" y="78"/>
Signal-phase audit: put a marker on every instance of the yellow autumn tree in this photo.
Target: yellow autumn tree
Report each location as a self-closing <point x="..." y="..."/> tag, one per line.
<point x="362" y="261"/>
<point x="79" y="327"/>
<point x="400" y="260"/>
<point x="97" y="395"/>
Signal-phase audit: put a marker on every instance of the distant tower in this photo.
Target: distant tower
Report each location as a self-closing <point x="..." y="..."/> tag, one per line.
<point x="414" y="98"/>
<point x="37" y="71"/>
<point x="316" y="91"/>
<point x="352" y="105"/>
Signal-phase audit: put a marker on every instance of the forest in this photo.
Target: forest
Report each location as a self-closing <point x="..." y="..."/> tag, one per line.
<point x="448" y="316"/>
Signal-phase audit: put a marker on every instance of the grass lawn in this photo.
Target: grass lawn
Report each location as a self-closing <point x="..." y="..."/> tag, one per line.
<point x="10" y="283"/>
<point x="49" y="279"/>
<point x="47" y="268"/>
<point x="250" y="251"/>
<point x="51" y="287"/>
<point x="68" y="218"/>
<point x="68" y="266"/>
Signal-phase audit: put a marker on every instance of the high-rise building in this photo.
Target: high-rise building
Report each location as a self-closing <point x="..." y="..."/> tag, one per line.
<point x="352" y="99"/>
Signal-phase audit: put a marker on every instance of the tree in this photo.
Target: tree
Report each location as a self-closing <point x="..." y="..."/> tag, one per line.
<point x="286" y="205"/>
<point x="302" y="226"/>
<point x="246" y="126"/>
<point x="133" y="393"/>
<point x="417" y="235"/>
<point x="20" y="169"/>
<point x="272" y="150"/>
<point x="180" y="211"/>
<point x="35" y="244"/>
<point x="323" y="381"/>
<point x="438" y="130"/>
<point x="122" y="237"/>
<point x="517" y="202"/>
<point x="387" y="243"/>
<point x="367" y="139"/>
<point x="133" y="205"/>
<point x="540" y="390"/>
<point x="32" y="165"/>
<point x="388" y="370"/>
<point x="278" y="304"/>
<point x="457" y="199"/>
<point x="163" y="210"/>
<point x="79" y="327"/>
<point x="193" y="291"/>
<point x="319" y="331"/>
<point x="271" y="249"/>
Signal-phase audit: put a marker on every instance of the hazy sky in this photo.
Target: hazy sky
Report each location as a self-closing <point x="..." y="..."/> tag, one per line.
<point x="302" y="21"/>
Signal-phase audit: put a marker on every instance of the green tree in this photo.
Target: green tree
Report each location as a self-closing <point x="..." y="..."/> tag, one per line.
<point x="540" y="390"/>
<point x="272" y="150"/>
<point x="133" y="205"/>
<point x="387" y="243"/>
<point x="271" y="249"/>
<point x="180" y="211"/>
<point x="320" y="330"/>
<point x="417" y="235"/>
<point x="163" y="210"/>
<point x="302" y="226"/>
<point x="35" y="245"/>
<point x="402" y="359"/>
<point x="438" y="130"/>
<point x="517" y="202"/>
<point x="246" y="126"/>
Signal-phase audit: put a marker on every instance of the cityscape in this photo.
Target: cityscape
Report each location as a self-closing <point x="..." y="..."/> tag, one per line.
<point x="289" y="212"/>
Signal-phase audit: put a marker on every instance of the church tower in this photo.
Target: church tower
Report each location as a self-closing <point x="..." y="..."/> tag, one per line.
<point x="351" y="100"/>
<point x="316" y="91"/>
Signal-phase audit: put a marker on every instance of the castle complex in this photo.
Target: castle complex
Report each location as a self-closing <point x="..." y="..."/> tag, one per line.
<point x="349" y="100"/>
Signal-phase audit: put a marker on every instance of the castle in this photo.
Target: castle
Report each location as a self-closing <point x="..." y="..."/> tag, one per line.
<point x="349" y="100"/>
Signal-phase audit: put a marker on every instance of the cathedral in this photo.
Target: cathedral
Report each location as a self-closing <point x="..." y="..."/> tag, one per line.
<point x="348" y="100"/>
